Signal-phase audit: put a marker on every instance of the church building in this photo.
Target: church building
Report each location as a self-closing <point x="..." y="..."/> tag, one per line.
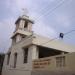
<point x="32" y="54"/>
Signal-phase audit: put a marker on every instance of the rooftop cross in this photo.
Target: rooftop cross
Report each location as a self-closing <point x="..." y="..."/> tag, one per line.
<point x="24" y="11"/>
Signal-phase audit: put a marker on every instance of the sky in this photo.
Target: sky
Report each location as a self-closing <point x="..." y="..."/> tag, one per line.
<point x="51" y="17"/>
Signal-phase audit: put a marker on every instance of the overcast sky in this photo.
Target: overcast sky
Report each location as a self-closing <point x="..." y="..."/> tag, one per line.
<point x="49" y="21"/>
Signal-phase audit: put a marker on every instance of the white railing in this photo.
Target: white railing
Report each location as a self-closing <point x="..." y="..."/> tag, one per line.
<point x="41" y="63"/>
<point x="50" y="62"/>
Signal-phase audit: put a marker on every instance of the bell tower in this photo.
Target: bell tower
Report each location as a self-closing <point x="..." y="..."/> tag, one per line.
<point x="23" y="28"/>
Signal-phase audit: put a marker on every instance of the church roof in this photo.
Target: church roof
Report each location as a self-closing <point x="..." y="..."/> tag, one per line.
<point x="55" y="44"/>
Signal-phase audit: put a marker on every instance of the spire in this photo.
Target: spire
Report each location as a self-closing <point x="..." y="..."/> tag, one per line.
<point x="24" y="16"/>
<point x="23" y="27"/>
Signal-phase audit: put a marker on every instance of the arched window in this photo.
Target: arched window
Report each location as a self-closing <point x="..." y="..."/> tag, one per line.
<point x="15" y="60"/>
<point x="8" y="58"/>
<point x="25" y="51"/>
<point x="26" y="24"/>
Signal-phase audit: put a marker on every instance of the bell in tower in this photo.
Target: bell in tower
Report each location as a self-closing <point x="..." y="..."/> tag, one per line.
<point x="23" y="28"/>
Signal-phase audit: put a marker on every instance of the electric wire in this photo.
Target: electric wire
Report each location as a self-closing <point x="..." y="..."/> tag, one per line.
<point x="50" y="11"/>
<point x="57" y="37"/>
<point x="45" y="9"/>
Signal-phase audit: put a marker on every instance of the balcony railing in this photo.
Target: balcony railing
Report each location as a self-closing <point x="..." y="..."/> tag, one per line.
<point x="50" y="62"/>
<point x="41" y="63"/>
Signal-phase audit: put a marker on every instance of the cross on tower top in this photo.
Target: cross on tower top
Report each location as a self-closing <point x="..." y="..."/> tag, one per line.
<point x="24" y="11"/>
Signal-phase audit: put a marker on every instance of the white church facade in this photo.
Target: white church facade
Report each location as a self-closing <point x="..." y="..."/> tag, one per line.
<point x="29" y="56"/>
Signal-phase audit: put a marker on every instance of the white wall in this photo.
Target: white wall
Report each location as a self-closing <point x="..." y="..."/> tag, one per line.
<point x="21" y="68"/>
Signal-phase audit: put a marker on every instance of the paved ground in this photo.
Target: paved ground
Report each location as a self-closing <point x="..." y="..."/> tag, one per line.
<point x="51" y="73"/>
